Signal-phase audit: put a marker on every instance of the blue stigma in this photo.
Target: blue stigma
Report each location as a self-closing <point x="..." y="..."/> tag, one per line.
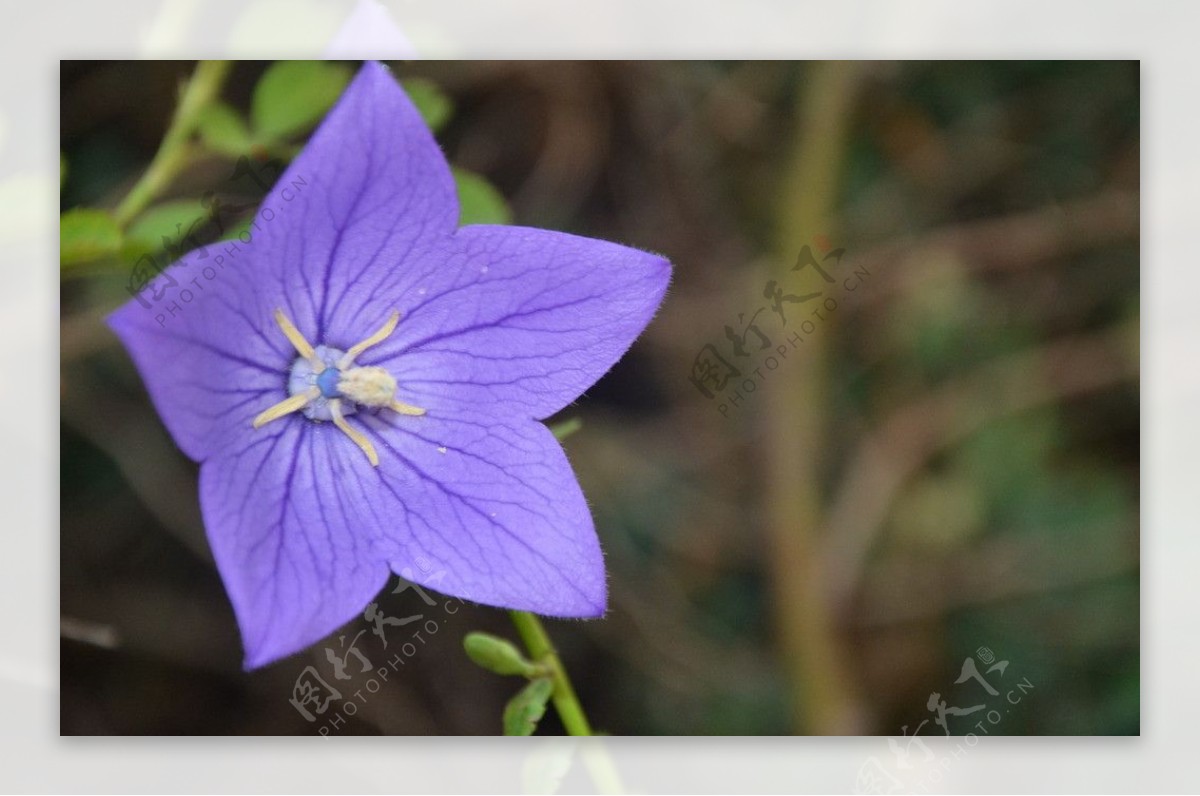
<point x="302" y="378"/>
<point x="327" y="382"/>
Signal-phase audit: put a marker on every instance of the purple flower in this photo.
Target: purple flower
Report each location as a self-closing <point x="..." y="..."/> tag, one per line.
<point x="362" y="382"/>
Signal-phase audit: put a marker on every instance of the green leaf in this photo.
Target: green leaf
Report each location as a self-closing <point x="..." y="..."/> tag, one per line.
<point x="566" y="428"/>
<point x="497" y="655"/>
<point x="224" y="130"/>
<point x="173" y="221"/>
<point x="432" y="103"/>
<point x="479" y="201"/>
<point x="293" y="95"/>
<point x="86" y="234"/>
<point x="525" y="710"/>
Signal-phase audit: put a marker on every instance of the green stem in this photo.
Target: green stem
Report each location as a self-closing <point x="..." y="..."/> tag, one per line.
<point x="203" y="87"/>
<point x="529" y="627"/>
<point x="823" y="698"/>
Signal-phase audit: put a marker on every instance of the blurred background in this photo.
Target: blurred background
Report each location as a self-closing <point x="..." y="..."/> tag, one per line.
<point x="886" y="422"/>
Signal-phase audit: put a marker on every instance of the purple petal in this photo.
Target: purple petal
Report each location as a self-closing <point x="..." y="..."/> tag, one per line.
<point x="371" y="193"/>
<point x="209" y="370"/>
<point x="370" y="190"/>
<point x="532" y="320"/>
<point x="295" y="568"/>
<point x="486" y="511"/>
<point x="301" y="524"/>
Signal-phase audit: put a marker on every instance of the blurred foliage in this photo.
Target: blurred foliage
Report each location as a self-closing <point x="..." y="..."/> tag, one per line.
<point x="479" y="202"/>
<point x="292" y="96"/>
<point x="223" y="130"/>
<point x="980" y="424"/>
<point x="86" y="234"/>
<point x="432" y="103"/>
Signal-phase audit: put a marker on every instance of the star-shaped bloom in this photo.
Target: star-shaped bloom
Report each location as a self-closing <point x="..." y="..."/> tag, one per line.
<point x="362" y="384"/>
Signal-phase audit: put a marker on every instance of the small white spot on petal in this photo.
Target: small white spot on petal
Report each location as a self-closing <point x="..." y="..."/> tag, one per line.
<point x="422" y="292"/>
<point x="441" y="450"/>
<point x="483" y="270"/>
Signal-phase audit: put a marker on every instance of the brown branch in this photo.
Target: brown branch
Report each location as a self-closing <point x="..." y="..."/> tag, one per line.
<point x="1020" y="241"/>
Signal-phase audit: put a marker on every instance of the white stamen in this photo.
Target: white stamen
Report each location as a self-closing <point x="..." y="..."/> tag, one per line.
<point x="367" y="386"/>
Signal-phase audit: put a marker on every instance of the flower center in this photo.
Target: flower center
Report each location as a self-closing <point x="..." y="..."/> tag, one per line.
<point x="326" y="385"/>
<point x="303" y="377"/>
